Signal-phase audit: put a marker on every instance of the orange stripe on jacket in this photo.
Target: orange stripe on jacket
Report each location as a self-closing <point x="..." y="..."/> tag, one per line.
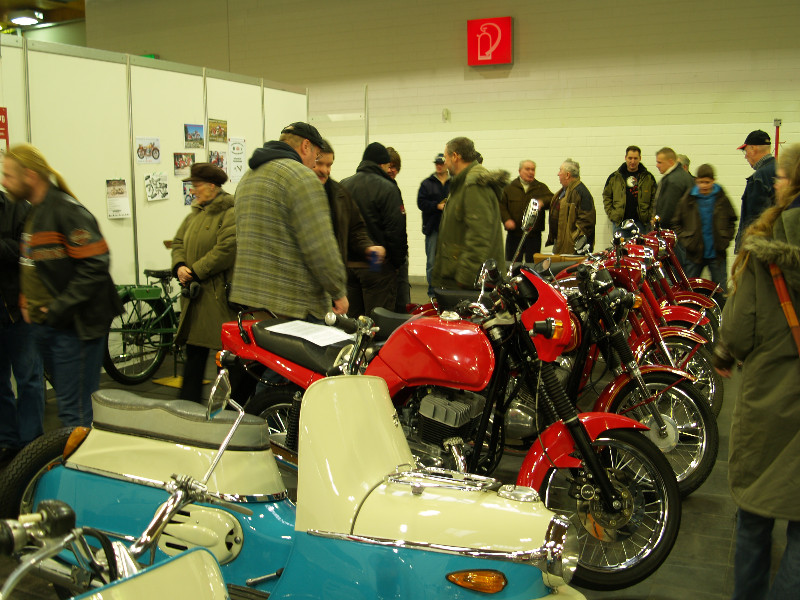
<point x="45" y="238"/>
<point x="94" y="249"/>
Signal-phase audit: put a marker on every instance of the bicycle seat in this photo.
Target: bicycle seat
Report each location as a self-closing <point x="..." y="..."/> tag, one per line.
<point x="297" y="350"/>
<point x="158" y="273"/>
<point x="176" y="421"/>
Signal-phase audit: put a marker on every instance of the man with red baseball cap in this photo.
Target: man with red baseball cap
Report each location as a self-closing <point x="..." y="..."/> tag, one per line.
<point x="758" y="193"/>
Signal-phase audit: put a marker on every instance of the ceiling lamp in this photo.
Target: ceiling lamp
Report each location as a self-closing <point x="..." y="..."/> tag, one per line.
<point x="25" y="17"/>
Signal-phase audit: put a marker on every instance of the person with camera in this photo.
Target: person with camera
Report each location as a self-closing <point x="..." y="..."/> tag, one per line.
<point x="203" y="255"/>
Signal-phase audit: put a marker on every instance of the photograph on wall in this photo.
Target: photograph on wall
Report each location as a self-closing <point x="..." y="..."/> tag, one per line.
<point x="155" y="186"/>
<point x="117" y="199"/>
<point x="217" y="158"/>
<point x="238" y="163"/>
<point x="148" y="150"/>
<point x="193" y="134"/>
<point x="183" y="163"/>
<point x="188" y="196"/>
<point x="217" y="130"/>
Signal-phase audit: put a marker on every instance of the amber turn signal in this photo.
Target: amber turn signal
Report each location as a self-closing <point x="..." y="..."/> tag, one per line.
<point x="485" y="580"/>
<point x="75" y="439"/>
<point x="558" y="329"/>
<point x="638" y="301"/>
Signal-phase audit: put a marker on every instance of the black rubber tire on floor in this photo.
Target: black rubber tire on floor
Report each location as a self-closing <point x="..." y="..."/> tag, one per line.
<point x="21" y="475"/>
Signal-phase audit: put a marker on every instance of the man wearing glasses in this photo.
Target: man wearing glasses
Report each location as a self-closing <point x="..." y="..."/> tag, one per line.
<point x="287" y="258"/>
<point x="758" y="191"/>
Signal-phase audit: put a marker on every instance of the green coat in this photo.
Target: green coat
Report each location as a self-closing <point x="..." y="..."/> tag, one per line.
<point x="765" y="431"/>
<point x="470" y="231"/>
<point x="615" y="195"/>
<point x="206" y="243"/>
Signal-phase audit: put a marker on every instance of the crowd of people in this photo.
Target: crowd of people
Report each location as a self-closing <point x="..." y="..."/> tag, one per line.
<point x="300" y="244"/>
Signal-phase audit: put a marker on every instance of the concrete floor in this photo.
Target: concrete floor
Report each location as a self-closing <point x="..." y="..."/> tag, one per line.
<point x="700" y="566"/>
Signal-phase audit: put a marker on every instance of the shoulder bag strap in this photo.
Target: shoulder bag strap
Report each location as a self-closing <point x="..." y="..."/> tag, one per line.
<point x="786" y="302"/>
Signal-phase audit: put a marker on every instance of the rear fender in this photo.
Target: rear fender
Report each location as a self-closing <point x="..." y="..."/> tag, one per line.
<point x="555" y="447"/>
<point x="139" y="292"/>
<point x="613" y="389"/>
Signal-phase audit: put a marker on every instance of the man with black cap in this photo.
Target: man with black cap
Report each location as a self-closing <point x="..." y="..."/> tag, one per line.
<point x="758" y="192"/>
<point x="287" y="258"/>
<point x="431" y="198"/>
<point x="378" y="198"/>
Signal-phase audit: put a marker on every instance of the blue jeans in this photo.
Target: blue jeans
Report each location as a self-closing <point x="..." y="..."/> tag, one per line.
<point x="752" y="561"/>
<point x="430" y="257"/>
<point x="21" y="417"/>
<point x="74" y="366"/>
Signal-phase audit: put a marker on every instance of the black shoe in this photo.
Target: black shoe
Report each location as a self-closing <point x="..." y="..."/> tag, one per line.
<point x="7" y="455"/>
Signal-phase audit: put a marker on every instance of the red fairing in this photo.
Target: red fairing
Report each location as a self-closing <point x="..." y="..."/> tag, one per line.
<point x="431" y="351"/>
<point x="549" y="304"/>
<point x="560" y="445"/>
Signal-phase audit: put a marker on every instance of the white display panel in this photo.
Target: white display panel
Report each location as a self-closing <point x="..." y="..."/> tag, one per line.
<point x="282" y="108"/>
<point x="12" y="89"/>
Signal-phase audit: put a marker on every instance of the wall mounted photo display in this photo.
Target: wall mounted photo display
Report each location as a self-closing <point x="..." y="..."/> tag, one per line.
<point x="238" y="163"/>
<point x="156" y="186"/>
<point x="188" y="196"/>
<point x="217" y="130"/>
<point x="218" y="159"/>
<point x="193" y="134"/>
<point x="117" y="199"/>
<point x="183" y="163"/>
<point x="148" y="150"/>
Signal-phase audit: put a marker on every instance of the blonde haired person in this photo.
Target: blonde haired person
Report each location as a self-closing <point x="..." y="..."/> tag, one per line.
<point x="765" y="432"/>
<point x="66" y="290"/>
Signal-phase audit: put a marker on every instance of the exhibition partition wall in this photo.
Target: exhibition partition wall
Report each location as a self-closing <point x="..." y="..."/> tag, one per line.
<point x="124" y="130"/>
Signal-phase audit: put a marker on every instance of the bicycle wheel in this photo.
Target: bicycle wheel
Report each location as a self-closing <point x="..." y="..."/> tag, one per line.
<point x="134" y="350"/>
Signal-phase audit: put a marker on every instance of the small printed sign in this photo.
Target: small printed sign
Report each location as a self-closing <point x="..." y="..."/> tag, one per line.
<point x="489" y="41"/>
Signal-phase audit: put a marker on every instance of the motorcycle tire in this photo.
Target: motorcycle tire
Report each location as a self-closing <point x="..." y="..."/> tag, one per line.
<point x="274" y="404"/>
<point x="134" y="352"/>
<point x="156" y="153"/>
<point x="692" y="439"/>
<point x="616" y="555"/>
<point x="23" y="473"/>
<point x="708" y="382"/>
<point x="140" y="153"/>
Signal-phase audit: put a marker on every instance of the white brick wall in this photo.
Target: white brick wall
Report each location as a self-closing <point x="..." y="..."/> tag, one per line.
<point x="588" y="78"/>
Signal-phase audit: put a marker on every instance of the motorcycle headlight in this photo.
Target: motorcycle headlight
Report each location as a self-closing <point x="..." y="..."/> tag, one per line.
<point x="560" y="549"/>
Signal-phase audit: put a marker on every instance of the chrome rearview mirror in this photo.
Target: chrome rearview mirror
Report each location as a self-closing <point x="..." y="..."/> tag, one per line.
<point x="220" y="394"/>
<point x="531" y="213"/>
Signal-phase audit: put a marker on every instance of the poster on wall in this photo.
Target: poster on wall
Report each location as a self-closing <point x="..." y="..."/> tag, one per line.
<point x="155" y="185"/>
<point x="217" y="130"/>
<point x="4" y="125"/>
<point x="193" y="135"/>
<point x="238" y="162"/>
<point x="117" y="199"/>
<point x="183" y="163"/>
<point x="217" y="158"/>
<point x="188" y="196"/>
<point x="148" y="150"/>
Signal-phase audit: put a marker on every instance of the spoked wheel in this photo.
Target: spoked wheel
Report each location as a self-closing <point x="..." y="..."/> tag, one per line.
<point x="695" y="359"/>
<point x="691" y="440"/>
<point x="135" y="348"/>
<point x="274" y="404"/>
<point x="619" y="549"/>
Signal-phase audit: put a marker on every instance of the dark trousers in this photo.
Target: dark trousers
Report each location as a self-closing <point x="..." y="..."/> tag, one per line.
<point x="367" y="289"/>
<point x="533" y="245"/>
<point x="194" y="368"/>
<point x="403" y="289"/>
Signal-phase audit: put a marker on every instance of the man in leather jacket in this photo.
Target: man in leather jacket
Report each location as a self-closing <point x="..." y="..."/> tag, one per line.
<point x="66" y="289"/>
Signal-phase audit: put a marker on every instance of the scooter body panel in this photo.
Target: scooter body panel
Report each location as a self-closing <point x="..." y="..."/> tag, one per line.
<point x="559" y="446"/>
<point x="454" y="354"/>
<point x="613" y="389"/>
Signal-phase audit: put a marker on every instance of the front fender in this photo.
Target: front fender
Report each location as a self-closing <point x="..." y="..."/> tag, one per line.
<point x="683" y="313"/>
<point x="612" y="390"/>
<point x="641" y="345"/>
<point x="697" y="283"/>
<point x="555" y="446"/>
<point x="694" y="298"/>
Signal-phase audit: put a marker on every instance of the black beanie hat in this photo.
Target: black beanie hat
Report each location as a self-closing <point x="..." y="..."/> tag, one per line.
<point x="377" y="153"/>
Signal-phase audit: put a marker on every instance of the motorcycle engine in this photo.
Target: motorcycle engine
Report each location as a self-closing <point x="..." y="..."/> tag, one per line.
<point x="524" y="415"/>
<point x="445" y="413"/>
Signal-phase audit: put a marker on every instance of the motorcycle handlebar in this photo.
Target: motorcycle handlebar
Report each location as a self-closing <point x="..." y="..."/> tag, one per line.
<point x="53" y="519"/>
<point x="342" y="322"/>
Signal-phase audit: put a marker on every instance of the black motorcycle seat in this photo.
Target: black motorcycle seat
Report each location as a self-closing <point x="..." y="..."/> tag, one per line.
<point x="449" y="299"/>
<point x="294" y="349"/>
<point x="387" y="321"/>
<point x="175" y="421"/>
<point x="158" y="273"/>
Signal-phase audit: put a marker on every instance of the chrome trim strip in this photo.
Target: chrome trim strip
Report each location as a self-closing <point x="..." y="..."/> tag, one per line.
<point x="533" y="557"/>
<point x="244" y="499"/>
<point x="434" y="477"/>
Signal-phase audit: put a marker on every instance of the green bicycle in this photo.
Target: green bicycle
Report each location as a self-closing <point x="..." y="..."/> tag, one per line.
<point x="141" y="336"/>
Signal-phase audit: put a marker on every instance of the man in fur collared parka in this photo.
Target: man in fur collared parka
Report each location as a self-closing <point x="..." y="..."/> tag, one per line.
<point x="470" y="231"/>
<point x="765" y="430"/>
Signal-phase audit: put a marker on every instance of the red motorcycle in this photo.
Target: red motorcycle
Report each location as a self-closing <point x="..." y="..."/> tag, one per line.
<point x="450" y="376"/>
